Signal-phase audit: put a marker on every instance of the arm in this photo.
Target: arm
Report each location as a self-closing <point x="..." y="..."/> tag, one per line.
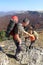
<point x="27" y="33"/>
<point x="17" y="38"/>
<point x="21" y="30"/>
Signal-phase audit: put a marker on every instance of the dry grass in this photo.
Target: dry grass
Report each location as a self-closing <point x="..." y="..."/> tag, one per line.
<point x="40" y="40"/>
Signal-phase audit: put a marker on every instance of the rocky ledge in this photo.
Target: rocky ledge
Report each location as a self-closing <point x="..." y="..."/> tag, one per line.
<point x="33" y="56"/>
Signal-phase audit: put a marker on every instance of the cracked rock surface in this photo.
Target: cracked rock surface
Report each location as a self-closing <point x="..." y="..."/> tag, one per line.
<point x="33" y="56"/>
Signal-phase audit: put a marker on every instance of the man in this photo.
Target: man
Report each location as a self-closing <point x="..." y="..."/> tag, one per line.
<point x="12" y="29"/>
<point x="33" y="37"/>
<point x="21" y="29"/>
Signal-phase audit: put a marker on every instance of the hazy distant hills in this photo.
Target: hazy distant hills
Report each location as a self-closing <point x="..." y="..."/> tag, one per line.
<point x="6" y="13"/>
<point x="35" y="17"/>
<point x="19" y="12"/>
<point x="10" y="13"/>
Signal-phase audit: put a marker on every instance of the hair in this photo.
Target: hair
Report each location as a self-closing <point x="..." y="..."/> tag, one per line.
<point x="25" y="20"/>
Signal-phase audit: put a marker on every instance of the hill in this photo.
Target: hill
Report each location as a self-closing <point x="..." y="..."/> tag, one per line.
<point x="36" y="18"/>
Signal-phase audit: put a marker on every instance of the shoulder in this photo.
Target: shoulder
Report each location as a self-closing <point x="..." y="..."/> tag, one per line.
<point x="19" y="24"/>
<point x="20" y="27"/>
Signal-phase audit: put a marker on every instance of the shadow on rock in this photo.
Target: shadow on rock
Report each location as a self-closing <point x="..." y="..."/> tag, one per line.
<point x="11" y="56"/>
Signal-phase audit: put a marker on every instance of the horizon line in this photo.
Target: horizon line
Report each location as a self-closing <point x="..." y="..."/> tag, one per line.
<point x="21" y="10"/>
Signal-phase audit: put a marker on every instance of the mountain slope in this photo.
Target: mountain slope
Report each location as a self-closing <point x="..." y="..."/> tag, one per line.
<point x="35" y="18"/>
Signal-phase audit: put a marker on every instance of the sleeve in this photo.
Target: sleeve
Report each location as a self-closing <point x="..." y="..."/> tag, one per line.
<point x="20" y="28"/>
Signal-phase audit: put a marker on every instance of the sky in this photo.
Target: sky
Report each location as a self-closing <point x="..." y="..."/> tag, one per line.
<point x="18" y="5"/>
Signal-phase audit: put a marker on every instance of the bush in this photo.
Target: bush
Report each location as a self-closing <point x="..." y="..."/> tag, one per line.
<point x="3" y="36"/>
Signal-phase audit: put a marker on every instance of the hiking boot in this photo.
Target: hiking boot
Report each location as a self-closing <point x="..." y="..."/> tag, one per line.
<point x="30" y="47"/>
<point x="16" y="58"/>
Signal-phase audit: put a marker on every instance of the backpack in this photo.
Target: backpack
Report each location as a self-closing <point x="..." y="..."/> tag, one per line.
<point x="9" y="28"/>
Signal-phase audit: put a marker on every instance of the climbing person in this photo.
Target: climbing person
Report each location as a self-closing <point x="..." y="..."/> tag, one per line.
<point x="33" y="37"/>
<point x="18" y="41"/>
<point x="13" y="29"/>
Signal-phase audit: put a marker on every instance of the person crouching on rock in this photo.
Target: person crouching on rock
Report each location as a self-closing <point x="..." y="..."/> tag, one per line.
<point x="33" y="36"/>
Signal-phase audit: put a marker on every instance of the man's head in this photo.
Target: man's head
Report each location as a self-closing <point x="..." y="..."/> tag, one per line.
<point x="26" y="22"/>
<point x="15" y="19"/>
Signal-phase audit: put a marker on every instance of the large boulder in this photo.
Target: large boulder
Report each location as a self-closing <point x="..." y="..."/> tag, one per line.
<point x="32" y="56"/>
<point x="3" y="59"/>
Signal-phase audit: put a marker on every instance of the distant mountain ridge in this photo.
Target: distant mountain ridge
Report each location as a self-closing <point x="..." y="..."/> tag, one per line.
<point x="18" y="12"/>
<point x="10" y="13"/>
<point x="35" y="17"/>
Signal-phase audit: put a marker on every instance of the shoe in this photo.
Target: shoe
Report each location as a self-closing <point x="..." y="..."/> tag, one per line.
<point x="16" y="58"/>
<point x="30" y="47"/>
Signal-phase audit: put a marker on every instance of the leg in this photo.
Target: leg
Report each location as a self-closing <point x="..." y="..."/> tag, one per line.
<point x="17" y="50"/>
<point x="17" y="45"/>
<point x="32" y="42"/>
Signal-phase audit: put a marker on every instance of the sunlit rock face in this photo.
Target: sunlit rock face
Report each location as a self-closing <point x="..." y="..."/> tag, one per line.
<point x="3" y="59"/>
<point x="31" y="57"/>
<point x="36" y="56"/>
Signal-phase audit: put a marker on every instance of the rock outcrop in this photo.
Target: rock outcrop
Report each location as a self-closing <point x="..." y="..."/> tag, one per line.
<point x="3" y="59"/>
<point x="33" y="56"/>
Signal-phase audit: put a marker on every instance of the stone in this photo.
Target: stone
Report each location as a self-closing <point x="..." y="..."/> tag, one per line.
<point x="32" y="56"/>
<point x="3" y="59"/>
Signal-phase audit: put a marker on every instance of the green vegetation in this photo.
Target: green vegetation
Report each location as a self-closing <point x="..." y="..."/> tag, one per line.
<point x="3" y="37"/>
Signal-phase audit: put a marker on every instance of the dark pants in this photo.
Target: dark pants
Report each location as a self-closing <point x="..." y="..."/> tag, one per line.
<point x="32" y="42"/>
<point x="18" y="47"/>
